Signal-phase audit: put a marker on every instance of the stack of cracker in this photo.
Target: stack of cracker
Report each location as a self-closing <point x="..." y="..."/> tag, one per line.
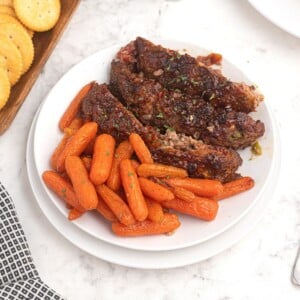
<point x="18" y="21"/>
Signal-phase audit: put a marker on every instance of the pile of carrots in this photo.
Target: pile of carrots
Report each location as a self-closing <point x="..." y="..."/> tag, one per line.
<point x="90" y="172"/>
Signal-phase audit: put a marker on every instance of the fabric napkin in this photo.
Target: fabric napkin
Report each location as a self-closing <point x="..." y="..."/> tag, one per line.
<point x="19" y="278"/>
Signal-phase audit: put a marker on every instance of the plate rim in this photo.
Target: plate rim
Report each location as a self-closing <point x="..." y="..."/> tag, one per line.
<point x="275" y="22"/>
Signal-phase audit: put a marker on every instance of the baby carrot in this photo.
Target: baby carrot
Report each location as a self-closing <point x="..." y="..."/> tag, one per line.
<point x="235" y="187"/>
<point x="73" y="127"/>
<point x="140" y="148"/>
<point x="116" y="204"/>
<point x="58" y="150"/>
<point x="105" y="211"/>
<point x="62" y="188"/>
<point x="169" y="223"/>
<point x="103" y="155"/>
<point x="201" y="187"/>
<point x="74" y="214"/>
<point x="155" y="210"/>
<point x="123" y="151"/>
<point x="133" y="191"/>
<point x="69" y="131"/>
<point x="73" y="107"/>
<point x="83" y="187"/>
<point x="202" y="208"/>
<point x="76" y="144"/>
<point x="183" y="194"/>
<point x="154" y="190"/>
<point x="160" y="171"/>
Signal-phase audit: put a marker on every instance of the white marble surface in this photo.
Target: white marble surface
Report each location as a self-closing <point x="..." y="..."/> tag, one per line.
<point x="259" y="266"/>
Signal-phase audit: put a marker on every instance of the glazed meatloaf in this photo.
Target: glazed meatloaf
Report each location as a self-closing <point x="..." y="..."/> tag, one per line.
<point x="154" y="105"/>
<point x="199" y="159"/>
<point x="184" y="72"/>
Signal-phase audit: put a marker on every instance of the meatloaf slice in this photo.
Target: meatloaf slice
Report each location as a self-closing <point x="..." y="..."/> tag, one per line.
<point x="154" y="105"/>
<point x="182" y="71"/>
<point x="199" y="159"/>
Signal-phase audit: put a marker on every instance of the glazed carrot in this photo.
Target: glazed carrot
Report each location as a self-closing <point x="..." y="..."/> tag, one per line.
<point x="160" y="171"/>
<point x="123" y="151"/>
<point x="201" y="187"/>
<point x="169" y="223"/>
<point x="105" y="211"/>
<point x="103" y="155"/>
<point x="83" y="187"/>
<point x="116" y="204"/>
<point x="155" y="191"/>
<point x="133" y="191"/>
<point x="73" y="107"/>
<point x="74" y="214"/>
<point x="87" y="161"/>
<point x="140" y="148"/>
<point x="76" y="144"/>
<point x="155" y="210"/>
<point x="69" y="131"/>
<point x="202" y="208"/>
<point x="58" y="150"/>
<point x="62" y="188"/>
<point x="183" y="194"/>
<point x="235" y="187"/>
<point x="73" y="127"/>
<point x="135" y="164"/>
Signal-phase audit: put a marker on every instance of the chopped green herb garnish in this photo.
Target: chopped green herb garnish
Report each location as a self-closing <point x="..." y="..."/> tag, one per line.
<point x="212" y="96"/>
<point x="169" y="128"/>
<point x="63" y="192"/>
<point x="160" y="115"/>
<point x="183" y="78"/>
<point x="130" y="174"/>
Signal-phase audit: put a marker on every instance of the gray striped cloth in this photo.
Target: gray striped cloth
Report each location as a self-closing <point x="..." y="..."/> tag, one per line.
<point x="19" y="278"/>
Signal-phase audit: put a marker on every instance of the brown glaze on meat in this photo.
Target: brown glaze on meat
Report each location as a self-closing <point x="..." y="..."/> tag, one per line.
<point x="199" y="159"/>
<point x="156" y="106"/>
<point x="183" y="72"/>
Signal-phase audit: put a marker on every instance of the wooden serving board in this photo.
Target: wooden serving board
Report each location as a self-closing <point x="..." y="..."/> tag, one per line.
<point x="44" y="43"/>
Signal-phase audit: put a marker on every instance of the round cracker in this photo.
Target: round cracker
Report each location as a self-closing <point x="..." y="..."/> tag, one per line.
<point x="22" y="40"/>
<point x="7" y="3"/>
<point x="7" y="10"/>
<point x="13" y="59"/>
<point x="3" y="64"/>
<point x="36" y="14"/>
<point x="9" y="19"/>
<point x="4" y="87"/>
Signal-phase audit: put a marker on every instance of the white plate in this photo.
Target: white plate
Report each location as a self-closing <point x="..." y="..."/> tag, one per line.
<point x="147" y="259"/>
<point x="285" y="14"/>
<point x="192" y="231"/>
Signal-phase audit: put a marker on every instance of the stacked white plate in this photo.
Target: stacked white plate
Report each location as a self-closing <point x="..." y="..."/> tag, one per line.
<point x="284" y="14"/>
<point x="195" y="240"/>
